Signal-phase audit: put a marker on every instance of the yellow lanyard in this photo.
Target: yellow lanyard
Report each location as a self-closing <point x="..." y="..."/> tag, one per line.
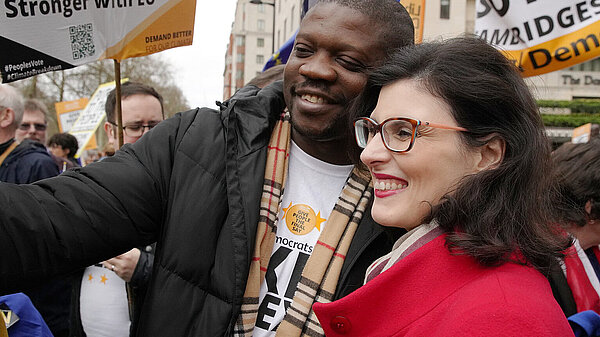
<point x="3" y="332"/>
<point x="5" y="154"/>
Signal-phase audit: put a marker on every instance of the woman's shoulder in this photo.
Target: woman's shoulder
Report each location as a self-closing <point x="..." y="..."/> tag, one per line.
<point x="510" y="282"/>
<point x="511" y="295"/>
<point x="507" y="300"/>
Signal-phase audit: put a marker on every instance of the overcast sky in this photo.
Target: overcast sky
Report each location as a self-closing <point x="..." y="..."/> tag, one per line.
<point x="199" y="67"/>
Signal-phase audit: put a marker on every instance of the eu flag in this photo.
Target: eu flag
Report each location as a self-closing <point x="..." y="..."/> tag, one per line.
<point x="283" y="54"/>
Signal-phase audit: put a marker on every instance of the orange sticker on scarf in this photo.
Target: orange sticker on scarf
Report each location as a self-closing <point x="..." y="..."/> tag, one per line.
<point x="301" y="219"/>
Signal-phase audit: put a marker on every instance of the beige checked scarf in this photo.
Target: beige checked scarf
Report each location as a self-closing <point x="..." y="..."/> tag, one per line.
<point x="321" y="272"/>
<point x="408" y="243"/>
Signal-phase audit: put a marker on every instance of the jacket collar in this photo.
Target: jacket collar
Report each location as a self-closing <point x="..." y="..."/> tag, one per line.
<point x="251" y="115"/>
<point x="429" y="276"/>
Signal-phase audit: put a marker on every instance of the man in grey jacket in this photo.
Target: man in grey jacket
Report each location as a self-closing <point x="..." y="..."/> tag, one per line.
<point x="195" y="183"/>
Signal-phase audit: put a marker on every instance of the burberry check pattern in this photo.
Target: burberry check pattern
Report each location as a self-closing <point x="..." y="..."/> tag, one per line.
<point x="408" y="243"/>
<point x="321" y="272"/>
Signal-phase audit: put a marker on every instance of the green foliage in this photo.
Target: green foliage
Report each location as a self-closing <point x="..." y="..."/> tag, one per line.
<point x="589" y="106"/>
<point x="572" y="120"/>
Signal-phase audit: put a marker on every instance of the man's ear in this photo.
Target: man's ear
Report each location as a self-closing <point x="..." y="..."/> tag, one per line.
<point x="491" y="154"/>
<point x="109" y="130"/>
<point x="7" y="117"/>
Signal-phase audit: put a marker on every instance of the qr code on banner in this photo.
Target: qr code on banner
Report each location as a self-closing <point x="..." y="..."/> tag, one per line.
<point x="82" y="42"/>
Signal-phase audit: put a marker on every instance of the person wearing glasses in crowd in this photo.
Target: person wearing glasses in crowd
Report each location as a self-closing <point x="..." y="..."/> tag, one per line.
<point x="34" y="126"/>
<point x="141" y="109"/>
<point x="23" y="160"/>
<point x="107" y="300"/>
<point x="458" y="157"/>
<point x="34" y="123"/>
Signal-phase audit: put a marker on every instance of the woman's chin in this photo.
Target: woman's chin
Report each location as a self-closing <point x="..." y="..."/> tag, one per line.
<point x="389" y="220"/>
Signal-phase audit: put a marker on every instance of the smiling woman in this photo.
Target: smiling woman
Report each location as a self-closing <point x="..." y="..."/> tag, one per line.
<point x="459" y="158"/>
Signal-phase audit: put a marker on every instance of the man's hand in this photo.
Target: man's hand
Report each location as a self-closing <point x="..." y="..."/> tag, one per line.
<point x="124" y="264"/>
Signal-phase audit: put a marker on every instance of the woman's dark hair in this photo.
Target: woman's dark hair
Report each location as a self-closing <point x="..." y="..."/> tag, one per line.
<point x="577" y="177"/>
<point x="498" y="211"/>
<point x="66" y="141"/>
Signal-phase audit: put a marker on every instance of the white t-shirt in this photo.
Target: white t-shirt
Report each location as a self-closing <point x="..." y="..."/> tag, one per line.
<point x="311" y="191"/>
<point x="103" y="304"/>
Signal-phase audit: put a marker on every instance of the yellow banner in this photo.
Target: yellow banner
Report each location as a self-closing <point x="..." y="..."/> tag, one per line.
<point x="416" y="9"/>
<point x="67" y="112"/>
<point x="559" y="53"/>
<point x="91" y="118"/>
<point x="541" y="36"/>
<point x="582" y="133"/>
<point x="170" y="27"/>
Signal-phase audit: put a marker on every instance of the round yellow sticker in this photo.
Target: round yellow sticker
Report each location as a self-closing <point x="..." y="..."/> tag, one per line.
<point x="301" y="219"/>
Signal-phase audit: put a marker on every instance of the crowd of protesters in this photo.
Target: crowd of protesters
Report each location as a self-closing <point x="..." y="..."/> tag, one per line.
<point x="76" y="306"/>
<point x="381" y="189"/>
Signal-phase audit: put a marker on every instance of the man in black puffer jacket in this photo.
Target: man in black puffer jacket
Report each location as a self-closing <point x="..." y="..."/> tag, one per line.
<point x="194" y="183"/>
<point x="109" y="297"/>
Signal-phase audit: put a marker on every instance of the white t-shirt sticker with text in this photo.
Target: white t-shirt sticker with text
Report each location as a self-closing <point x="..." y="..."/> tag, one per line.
<point x="312" y="189"/>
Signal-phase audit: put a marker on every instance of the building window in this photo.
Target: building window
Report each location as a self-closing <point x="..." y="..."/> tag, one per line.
<point x="260" y="59"/>
<point x="239" y="74"/>
<point x="592" y="65"/>
<point x="239" y="40"/>
<point x="285" y="28"/>
<point x="261" y="8"/>
<point x="595" y="64"/>
<point x="444" y="9"/>
<point x="260" y="25"/>
<point x="240" y="58"/>
<point x="260" y="42"/>
<point x="292" y="19"/>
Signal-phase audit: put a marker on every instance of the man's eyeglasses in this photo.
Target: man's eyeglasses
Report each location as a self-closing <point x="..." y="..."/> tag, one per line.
<point x="37" y="126"/>
<point x="136" y="130"/>
<point x="398" y="133"/>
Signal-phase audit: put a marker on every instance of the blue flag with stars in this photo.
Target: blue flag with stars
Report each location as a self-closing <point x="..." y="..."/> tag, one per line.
<point x="282" y="55"/>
